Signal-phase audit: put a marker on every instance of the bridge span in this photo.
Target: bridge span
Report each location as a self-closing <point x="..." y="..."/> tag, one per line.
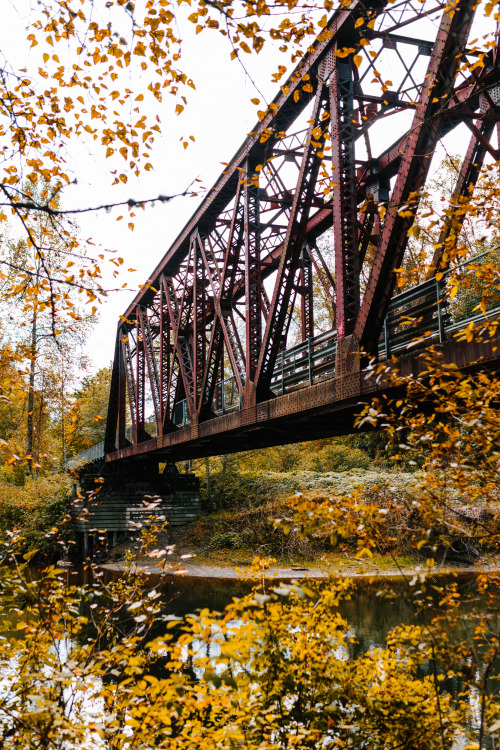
<point x="311" y="218"/>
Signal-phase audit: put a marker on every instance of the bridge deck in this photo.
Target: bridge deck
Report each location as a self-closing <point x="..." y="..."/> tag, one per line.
<point x="324" y="409"/>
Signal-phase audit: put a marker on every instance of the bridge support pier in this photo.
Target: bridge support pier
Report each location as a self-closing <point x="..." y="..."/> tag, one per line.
<point x="115" y="503"/>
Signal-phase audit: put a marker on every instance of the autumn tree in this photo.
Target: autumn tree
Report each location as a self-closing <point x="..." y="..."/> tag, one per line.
<point x="47" y="322"/>
<point x="87" y="418"/>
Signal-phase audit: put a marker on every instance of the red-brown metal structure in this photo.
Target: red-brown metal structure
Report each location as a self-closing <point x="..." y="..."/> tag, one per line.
<point x="202" y="344"/>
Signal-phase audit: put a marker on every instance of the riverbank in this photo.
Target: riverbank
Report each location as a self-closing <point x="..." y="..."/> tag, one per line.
<point x="188" y="571"/>
<point x="258" y="515"/>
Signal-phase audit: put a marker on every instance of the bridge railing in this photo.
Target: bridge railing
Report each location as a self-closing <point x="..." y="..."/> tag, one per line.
<point x="419" y="316"/>
<point x="226" y="400"/>
<point x="426" y="314"/>
<point x="226" y="397"/>
<point x="305" y="364"/>
<point x="95" y="453"/>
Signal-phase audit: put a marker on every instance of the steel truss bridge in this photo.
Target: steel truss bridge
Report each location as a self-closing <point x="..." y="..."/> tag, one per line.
<point x="339" y="160"/>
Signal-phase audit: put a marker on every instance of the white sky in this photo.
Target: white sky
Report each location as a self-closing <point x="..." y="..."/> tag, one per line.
<point x="219" y="115"/>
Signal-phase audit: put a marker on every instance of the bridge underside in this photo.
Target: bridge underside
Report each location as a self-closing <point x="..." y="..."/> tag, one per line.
<point x="326" y="409"/>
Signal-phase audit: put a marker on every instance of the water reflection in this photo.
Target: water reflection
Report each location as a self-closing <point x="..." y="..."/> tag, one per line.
<point x="375" y="607"/>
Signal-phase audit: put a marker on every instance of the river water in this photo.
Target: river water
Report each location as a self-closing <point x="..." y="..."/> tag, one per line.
<point x="376" y="606"/>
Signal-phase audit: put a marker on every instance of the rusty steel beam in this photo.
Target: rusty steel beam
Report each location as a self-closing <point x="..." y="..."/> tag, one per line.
<point x="424" y="134"/>
<point x="466" y="181"/>
<point x="253" y="283"/>
<point x="295" y="236"/>
<point x="307" y="294"/>
<point x="345" y="195"/>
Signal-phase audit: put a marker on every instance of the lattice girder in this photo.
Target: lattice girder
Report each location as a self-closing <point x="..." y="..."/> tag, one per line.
<point x="237" y="285"/>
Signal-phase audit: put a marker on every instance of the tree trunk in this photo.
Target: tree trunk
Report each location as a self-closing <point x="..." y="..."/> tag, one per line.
<point x="31" y="396"/>
<point x="63" y="431"/>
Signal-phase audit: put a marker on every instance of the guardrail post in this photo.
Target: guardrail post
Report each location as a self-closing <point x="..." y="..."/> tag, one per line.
<point x="386" y="337"/>
<point x="441" y="330"/>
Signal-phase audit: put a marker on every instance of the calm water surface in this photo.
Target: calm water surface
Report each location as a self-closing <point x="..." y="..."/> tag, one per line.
<point x="375" y="606"/>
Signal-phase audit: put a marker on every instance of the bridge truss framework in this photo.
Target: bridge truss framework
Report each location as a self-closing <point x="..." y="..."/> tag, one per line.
<point x="202" y="344"/>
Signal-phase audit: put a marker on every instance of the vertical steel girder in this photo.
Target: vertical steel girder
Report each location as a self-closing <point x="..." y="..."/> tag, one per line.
<point x="199" y="320"/>
<point x="147" y="342"/>
<point x="307" y="295"/>
<point x="140" y="381"/>
<point x="182" y="354"/>
<point x="131" y="385"/>
<point x="253" y="283"/>
<point x="165" y="360"/>
<point x="345" y="197"/>
<point x="243" y="272"/>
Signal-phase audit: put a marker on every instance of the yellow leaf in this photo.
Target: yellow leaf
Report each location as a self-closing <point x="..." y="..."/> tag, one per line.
<point x="359" y="22"/>
<point x="257" y="43"/>
<point x="357" y="60"/>
<point x="344" y="52"/>
<point x="453" y="291"/>
<point x="131" y="225"/>
<point x="45" y="57"/>
<point x="255" y="101"/>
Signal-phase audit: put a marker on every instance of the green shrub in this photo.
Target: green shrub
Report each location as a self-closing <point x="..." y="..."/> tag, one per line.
<point x="229" y="490"/>
<point x="336" y="457"/>
<point x="36" y="509"/>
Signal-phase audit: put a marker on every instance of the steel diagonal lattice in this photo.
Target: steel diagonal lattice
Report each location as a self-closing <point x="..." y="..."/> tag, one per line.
<point x="222" y="348"/>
